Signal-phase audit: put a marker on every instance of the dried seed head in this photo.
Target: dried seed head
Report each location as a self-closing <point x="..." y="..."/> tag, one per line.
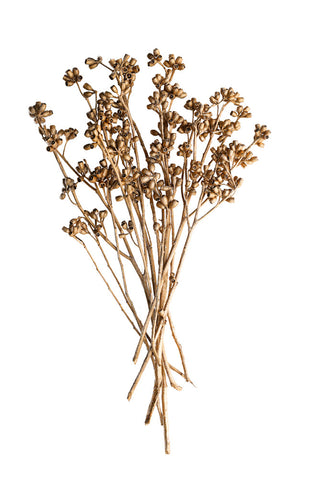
<point x="92" y="63"/>
<point x="72" y="76"/>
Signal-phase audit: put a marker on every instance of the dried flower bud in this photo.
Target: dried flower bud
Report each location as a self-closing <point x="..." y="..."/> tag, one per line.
<point x="103" y="214"/>
<point x="92" y="63"/>
<point x="173" y="203"/>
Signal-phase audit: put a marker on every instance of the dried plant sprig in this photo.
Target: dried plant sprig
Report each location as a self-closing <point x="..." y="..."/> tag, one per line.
<point x="149" y="202"/>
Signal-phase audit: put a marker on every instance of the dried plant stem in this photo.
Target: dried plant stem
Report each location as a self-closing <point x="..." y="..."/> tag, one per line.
<point x="147" y="203"/>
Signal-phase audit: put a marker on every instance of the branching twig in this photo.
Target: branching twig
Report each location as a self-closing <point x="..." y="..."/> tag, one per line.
<point x="151" y="205"/>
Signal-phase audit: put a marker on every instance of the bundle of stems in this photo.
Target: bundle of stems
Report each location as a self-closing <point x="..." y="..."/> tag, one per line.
<point x="147" y="205"/>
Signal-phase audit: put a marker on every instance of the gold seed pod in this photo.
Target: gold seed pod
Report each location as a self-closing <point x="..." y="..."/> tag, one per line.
<point x="164" y="201"/>
<point x="239" y="182"/>
<point x="151" y="184"/>
<point x="145" y="179"/>
<point x="173" y="203"/>
<point x="119" y="198"/>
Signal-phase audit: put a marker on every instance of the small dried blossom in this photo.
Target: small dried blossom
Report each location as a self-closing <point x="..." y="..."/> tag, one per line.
<point x="175" y="63"/>
<point x="92" y="63"/>
<point x="72" y="76"/>
<point x="39" y="113"/>
<point x="154" y="57"/>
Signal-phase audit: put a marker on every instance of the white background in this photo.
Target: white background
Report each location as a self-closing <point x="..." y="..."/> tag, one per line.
<point x="247" y="307"/>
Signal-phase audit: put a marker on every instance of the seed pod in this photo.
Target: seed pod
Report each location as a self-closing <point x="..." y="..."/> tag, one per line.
<point x="145" y="179"/>
<point x="164" y="201"/>
<point x="160" y="205"/>
<point x="119" y="198"/>
<point x="156" y="226"/>
<point x="230" y="200"/>
<point x="103" y="214"/>
<point x="151" y="184"/>
<point x="212" y="196"/>
<point x="94" y="214"/>
<point x="173" y="203"/>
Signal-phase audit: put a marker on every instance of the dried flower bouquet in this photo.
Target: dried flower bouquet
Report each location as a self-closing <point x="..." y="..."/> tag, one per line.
<point x="148" y="203"/>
